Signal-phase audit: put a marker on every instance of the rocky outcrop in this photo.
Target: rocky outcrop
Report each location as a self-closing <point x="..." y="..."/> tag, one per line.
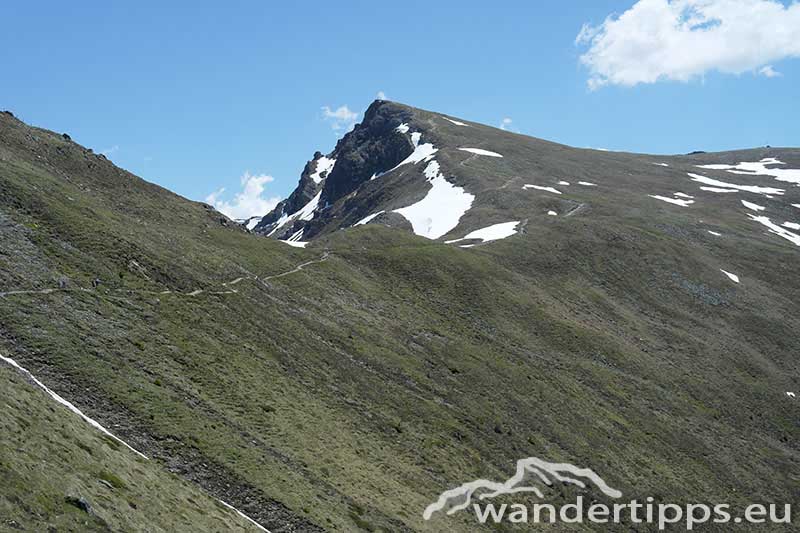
<point x="306" y="190"/>
<point x="372" y="147"/>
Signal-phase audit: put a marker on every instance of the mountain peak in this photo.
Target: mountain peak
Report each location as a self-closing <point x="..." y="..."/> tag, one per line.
<point x="444" y="178"/>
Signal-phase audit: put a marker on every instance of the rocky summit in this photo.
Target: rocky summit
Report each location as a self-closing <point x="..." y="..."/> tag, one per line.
<point x="437" y="302"/>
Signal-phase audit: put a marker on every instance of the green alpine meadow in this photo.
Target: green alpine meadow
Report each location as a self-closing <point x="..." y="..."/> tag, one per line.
<point x="440" y="302"/>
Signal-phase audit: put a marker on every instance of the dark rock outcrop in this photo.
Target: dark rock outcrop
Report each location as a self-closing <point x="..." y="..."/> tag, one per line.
<point x="372" y="147"/>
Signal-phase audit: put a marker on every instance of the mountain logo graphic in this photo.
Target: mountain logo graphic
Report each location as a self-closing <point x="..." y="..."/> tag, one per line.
<point x="532" y="475"/>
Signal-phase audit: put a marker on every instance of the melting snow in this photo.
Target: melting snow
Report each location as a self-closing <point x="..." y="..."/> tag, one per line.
<point x="304" y="213"/>
<point x="421" y="152"/>
<point x="402" y="128"/>
<point x="281" y="221"/>
<point x="307" y="212"/>
<point x="541" y="188"/>
<point x="253" y="222"/>
<point x="490" y="233"/>
<point x="791" y="225"/>
<point x="457" y="123"/>
<point x="717" y="189"/>
<point x="552" y="213"/>
<point x="748" y="188"/>
<point x="760" y="169"/>
<point x="683" y="195"/>
<point x="776" y="229"/>
<point x="441" y="209"/>
<point x="324" y="166"/>
<point x="587" y="184"/>
<point x="368" y="218"/>
<point x="296" y="236"/>
<point x="714" y="233"/>
<point x="791" y="394"/>
<point x="751" y="205"/>
<point x="682" y="203"/>
<point x="480" y="151"/>
<point x="296" y="244"/>
<point x="661" y="164"/>
<point x="796" y="205"/>
<point x="733" y="277"/>
<point x="563" y="183"/>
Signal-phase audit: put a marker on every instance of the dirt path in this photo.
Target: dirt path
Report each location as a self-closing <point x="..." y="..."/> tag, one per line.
<point x="195" y="292"/>
<point x="299" y="267"/>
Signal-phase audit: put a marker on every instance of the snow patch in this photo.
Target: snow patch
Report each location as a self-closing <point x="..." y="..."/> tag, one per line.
<point x="480" y="151"/>
<point x="717" y="189"/>
<point x="368" y="218"/>
<point x="304" y="213"/>
<point x="441" y="209"/>
<point x="776" y="229"/>
<point x="751" y="205"/>
<point x="552" y="213"/>
<point x="682" y="203"/>
<point x="490" y="233"/>
<point x="281" y="221"/>
<point x="682" y="195"/>
<point x="734" y="278"/>
<point x="760" y="169"/>
<point x="541" y="188"/>
<point x="296" y="244"/>
<point x="587" y="184"/>
<point x="715" y="233"/>
<point x="324" y="166"/>
<point x="791" y="394"/>
<point x="661" y="164"/>
<point x="421" y="152"/>
<point x="402" y="128"/>
<point x="308" y="210"/>
<point x="791" y="225"/>
<point x="563" y="183"/>
<point x="748" y="188"/>
<point x="457" y="123"/>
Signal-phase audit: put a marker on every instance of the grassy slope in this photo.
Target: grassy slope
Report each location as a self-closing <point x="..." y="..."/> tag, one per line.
<point x="50" y="455"/>
<point x="356" y="390"/>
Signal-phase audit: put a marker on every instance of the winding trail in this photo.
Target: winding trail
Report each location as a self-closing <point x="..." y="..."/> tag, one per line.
<point x="194" y="293"/>
<point x="299" y="267"/>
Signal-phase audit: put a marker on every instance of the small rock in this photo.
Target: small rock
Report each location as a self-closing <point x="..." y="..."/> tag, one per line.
<point x="80" y="503"/>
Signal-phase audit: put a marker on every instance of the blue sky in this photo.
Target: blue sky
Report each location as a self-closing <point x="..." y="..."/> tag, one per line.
<point x="192" y="95"/>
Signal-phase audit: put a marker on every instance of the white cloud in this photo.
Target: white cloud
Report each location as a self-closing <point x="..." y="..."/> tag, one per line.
<point x="341" y="118"/>
<point x="681" y="40"/>
<point x="769" y="72"/>
<point x="506" y="123"/>
<point x="249" y="202"/>
<point x="381" y="95"/>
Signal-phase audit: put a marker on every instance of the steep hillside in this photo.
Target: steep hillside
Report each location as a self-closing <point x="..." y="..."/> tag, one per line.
<point x="61" y="474"/>
<point x="345" y="386"/>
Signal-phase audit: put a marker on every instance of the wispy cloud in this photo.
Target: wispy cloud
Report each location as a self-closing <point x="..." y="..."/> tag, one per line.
<point x="681" y="40"/>
<point x="505" y="124"/>
<point x="249" y="202"/>
<point x="769" y="72"/>
<point x="381" y="95"/>
<point x="341" y="118"/>
<point x="108" y="151"/>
